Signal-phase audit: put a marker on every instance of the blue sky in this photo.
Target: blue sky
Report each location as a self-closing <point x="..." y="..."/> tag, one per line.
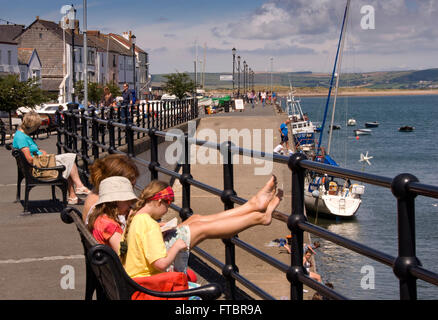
<point x="298" y="34"/>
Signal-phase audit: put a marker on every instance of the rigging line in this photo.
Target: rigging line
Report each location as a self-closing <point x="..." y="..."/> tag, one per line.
<point x="332" y="78"/>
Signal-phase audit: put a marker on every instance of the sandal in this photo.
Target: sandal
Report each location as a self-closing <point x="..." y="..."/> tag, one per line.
<point x="73" y="200"/>
<point x="82" y="190"/>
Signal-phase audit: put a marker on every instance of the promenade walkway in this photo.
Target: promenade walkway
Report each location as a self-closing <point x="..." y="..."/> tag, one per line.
<point x="38" y="249"/>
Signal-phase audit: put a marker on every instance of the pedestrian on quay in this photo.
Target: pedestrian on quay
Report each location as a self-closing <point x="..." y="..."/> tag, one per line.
<point x="22" y="140"/>
<point x="263" y="98"/>
<point x="126" y="102"/>
<point x="284" y="133"/>
<point x="107" y="99"/>
<point x="252" y="98"/>
<point x="307" y="264"/>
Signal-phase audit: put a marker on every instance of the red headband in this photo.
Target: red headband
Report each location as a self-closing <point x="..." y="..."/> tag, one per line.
<point x="166" y="194"/>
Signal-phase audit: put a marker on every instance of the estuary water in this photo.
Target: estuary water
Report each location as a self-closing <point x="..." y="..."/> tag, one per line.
<point x="375" y="224"/>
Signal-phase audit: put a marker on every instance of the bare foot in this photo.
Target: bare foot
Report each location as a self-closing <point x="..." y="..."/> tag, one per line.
<point x="261" y="200"/>
<point x="273" y="204"/>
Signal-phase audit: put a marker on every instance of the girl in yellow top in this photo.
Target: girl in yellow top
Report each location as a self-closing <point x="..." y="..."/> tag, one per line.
<point x="145" y="251"/>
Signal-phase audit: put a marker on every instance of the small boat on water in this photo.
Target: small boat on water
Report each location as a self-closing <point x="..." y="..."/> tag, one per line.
<point x="406" y="129"/>
<point x="360" y="132"/>
<point x="336" y="127"/>
<point x="374" y="124"/>
<point x="351" y="122"/>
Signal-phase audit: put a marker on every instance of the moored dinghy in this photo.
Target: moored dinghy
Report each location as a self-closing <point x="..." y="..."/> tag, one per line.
<point x="406" y="129"/>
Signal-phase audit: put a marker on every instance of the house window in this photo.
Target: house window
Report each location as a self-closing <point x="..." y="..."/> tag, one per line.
<point x="36" y="73"/>
<point x="0" y="57"/>
<point x="114" y="60"/>
<point x="90" y="60"/>
<point x="80" y="75"/>
<point x="101" y="56"/>
<point x="41" y="36"/>
<point x="9" y="57"/>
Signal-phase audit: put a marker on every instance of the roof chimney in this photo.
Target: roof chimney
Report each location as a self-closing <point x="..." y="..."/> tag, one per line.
<point x="38" y="17"/>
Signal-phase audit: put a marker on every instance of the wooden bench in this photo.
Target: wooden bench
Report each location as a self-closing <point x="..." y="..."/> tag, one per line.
<point x="105" y="273"/>
<point x="24" y="171"/>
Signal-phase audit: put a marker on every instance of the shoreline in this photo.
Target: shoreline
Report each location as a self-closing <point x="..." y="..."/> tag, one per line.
<point x="346" y="93"/>
<point x="370" y="93"/>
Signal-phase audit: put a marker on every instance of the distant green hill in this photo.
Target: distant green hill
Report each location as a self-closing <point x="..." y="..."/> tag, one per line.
<point x="414" y="79"/>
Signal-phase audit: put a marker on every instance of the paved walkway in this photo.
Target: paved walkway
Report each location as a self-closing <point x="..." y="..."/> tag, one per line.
<point x="37" y="249"/>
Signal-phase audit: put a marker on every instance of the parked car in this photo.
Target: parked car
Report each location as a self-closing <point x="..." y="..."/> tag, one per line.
<point x="51" y="108"/>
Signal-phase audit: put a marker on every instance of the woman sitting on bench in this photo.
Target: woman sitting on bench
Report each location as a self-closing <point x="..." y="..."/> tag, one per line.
<point x="146" y="251"/>
<point x="22" y="140"/>
<point x="109" y="166"/>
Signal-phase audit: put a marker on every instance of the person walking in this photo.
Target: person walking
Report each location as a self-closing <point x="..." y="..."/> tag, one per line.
<point x="263" y="98"/>
<point x="127" y="101"/>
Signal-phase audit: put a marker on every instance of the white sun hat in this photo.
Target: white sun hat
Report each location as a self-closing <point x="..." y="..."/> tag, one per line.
<point x="115" y="189"/>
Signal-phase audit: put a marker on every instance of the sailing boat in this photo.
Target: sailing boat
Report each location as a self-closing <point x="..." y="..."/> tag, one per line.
<point x="302" y="129"/>
<point x="323" y="194"/>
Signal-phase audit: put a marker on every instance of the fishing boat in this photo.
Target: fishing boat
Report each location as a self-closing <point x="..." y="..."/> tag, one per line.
<point x="351" y="122"/>
<point x="406" y="129"/>
<point x="361" y="132"/>
<point x="302" y="129"/>
<point x="374" y="124"/>
<point x="334" y="197"/>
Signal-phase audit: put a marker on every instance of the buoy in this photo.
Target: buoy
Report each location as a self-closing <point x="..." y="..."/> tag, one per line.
<point x="357" y="137"/>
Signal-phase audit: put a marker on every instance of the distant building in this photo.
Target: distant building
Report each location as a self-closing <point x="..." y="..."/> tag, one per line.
<point x="108" y="60"/>
<point x="9" y="49"/>
<point x="29" y="64"/>
<point x="142" y="65"/>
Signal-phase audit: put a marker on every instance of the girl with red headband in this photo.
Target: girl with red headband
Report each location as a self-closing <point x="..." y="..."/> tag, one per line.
<point x="146" y="251"/>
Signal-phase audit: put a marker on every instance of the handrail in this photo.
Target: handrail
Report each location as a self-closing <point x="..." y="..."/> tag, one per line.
<point x="405" y="188"/>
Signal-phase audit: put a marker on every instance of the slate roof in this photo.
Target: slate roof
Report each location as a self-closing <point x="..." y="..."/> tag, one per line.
<point x="9" y="31"/>
<point x="24" y="55"/>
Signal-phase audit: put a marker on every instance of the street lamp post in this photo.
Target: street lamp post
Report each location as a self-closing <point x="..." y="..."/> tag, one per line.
<point x="234" y="65"/>
<point x="244" y="78"/>
<point x="133" y="39"/>
<point x="73" y="48"/>
<point x="238" y="76"/>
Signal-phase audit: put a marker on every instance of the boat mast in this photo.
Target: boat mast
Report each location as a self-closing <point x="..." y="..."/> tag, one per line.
<point x="332" y="78"/>
<point x="338" y="75"/>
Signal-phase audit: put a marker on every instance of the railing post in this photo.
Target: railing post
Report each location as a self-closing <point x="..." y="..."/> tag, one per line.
<point x="59" y="130"/>
<point x="297" y="234"/>
<point x="130" y="139"/>
<point x="111" y="132"/>
<point x="95" y="135"/>
<point x="406" y="235"/>
<point x="119" y="130"/>
<point x="186" y="210"/>
<point x="154" y="154"/>
<point x="84" y="134"/>
<point x="230" y="250"/>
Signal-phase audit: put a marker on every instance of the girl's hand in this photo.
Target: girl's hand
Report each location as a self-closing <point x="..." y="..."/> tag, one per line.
<point x="181" y="245"/>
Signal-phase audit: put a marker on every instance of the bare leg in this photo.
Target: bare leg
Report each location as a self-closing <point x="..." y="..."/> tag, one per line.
<point x="71" y="188"/>
<point x="74" y="175"/>
<point x="231" y="225"/>
<point x="259" y="202"/>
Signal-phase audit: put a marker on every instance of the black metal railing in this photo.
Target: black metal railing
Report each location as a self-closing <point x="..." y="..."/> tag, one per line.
<point x="405" y="187"/>
<point x="109" y="128"/>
